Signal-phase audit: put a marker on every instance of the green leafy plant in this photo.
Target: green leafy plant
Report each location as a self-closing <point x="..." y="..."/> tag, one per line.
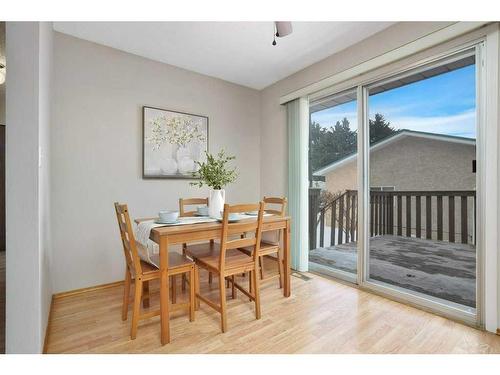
<point x="215" y="172"/>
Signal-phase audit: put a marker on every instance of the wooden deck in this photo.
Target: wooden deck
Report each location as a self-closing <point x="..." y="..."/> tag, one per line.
<point x="437" y="268"/>
<point x="321" y="316"/>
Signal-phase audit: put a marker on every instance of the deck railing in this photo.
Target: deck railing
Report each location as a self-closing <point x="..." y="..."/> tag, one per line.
<point x="421" y="214"/>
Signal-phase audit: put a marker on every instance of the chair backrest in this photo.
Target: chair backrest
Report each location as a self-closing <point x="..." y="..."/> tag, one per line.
<point x="278" y="205"/>
<point x="183" y="202"/>
<point x="275" y="206"/>
<point x="127" y="235"/>
<point x="231" y="230"/>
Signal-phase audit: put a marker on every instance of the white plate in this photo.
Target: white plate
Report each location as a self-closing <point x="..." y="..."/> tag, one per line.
<point x="233" y="220"/>
<point x="167" y="222"/>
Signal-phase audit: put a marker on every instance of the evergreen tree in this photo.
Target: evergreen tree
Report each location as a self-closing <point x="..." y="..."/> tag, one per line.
<point x="328" y="145"/>
<point x="380" y="128"/>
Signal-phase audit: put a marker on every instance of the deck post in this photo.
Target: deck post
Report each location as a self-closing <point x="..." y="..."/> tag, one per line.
<point x="314" y="195"/>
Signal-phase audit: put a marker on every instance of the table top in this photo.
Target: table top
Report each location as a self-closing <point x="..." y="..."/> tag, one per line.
<point x="166" y="230"/>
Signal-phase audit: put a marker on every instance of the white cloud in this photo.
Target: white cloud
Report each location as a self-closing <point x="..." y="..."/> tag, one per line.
<point x="462" y="124"/>
<point x="327" y="119"/>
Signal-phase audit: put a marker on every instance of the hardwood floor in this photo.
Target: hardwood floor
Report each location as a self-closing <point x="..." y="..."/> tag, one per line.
<point x="321" y="316"/>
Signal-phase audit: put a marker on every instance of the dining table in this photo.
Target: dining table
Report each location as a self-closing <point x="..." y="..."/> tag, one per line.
<point x="165" y="236"/>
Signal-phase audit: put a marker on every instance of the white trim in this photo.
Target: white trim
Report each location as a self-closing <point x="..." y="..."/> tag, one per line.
<point x="480" y="175"/>
<point x="364" y="195"/>
<point x="490" y="181"/>
<point x="332" y="272"/>
<point x="404" y="133"/>
<point x="425" y="42"/>
<point x="442" y="307"/>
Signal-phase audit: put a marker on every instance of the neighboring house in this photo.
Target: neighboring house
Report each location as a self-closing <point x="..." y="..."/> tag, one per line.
<point x="414" y="161"/>
<point x="409" y="160"/>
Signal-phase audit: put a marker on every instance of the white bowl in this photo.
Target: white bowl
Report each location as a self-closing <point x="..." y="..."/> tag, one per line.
<point x="202" y="210"/>
<point x="168" y="216"/>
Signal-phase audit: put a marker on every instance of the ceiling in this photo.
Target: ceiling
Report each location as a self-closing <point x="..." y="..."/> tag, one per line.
<point x="238" y="52"/>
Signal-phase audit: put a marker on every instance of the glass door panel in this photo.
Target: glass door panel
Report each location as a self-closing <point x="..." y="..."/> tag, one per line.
<point x="333" y="184"/>
<point x="422" y="179"/>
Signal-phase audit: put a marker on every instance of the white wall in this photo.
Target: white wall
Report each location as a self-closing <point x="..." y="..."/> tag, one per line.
<point x="96" y="149"/>
<point x="29" y="290"/>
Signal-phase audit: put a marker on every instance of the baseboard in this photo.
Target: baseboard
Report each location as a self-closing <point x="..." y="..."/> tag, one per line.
<point x="47" y="329"/>
<point x="85" y="290"/>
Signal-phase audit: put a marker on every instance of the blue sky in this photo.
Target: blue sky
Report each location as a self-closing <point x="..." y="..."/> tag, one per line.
<point x="443" y="104"/>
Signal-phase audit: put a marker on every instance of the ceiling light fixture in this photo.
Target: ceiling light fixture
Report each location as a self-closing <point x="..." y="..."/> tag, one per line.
<point x="281" y="28"/>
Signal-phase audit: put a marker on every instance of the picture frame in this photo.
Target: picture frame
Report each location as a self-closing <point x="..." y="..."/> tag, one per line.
<point x="172" y="143"/>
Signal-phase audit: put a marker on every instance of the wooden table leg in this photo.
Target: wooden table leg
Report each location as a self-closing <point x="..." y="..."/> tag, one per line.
<point x="164" y="291"/>
<point x="286" y="260"/>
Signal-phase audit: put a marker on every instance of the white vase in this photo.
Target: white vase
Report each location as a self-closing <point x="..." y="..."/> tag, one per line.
<point x="216" y="201"/>
<point x="182" y="152"/>
<point x="169" y="167"/>
<point x="186" y="165"/>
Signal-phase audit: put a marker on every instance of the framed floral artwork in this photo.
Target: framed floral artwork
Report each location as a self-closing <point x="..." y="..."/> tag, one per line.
<point x="173" y="143"/>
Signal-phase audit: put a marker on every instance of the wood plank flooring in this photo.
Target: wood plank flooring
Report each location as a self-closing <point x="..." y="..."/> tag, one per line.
<point x="321" y="316"/>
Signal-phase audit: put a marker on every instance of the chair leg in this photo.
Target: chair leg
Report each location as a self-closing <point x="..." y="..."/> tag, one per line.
<point x="173" y="281"/>
<point x="250" y="288"/>
<point x="137" y="308"/>
<point x="222" y="292"/>
<point x="233" y="288"/>
<point x="210" y="273"/>
<point x="183" y="282"/>
<point x="280" y="267"/>
<point x="256" y="294"/>
<point x="145" y="292"/>
<point x="192" y="296"/>
<point x="261" y="266"/>
<point x="126" y="294"/>
<point x="196" y="287"/>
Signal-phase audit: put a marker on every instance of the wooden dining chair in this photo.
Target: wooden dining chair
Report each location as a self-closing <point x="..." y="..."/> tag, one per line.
<point x="270" y="243"/>
<point x="142" y="273"/>
<point x="225" y="260"/>
<point x="184" y="203"/>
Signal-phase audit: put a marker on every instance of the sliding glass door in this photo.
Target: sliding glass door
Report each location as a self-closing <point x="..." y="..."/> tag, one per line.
<point x="422" y="182"/>
<point x="394" y="171"/>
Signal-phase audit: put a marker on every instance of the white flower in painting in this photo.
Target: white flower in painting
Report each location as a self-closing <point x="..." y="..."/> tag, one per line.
<point x="178" y="130"/>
